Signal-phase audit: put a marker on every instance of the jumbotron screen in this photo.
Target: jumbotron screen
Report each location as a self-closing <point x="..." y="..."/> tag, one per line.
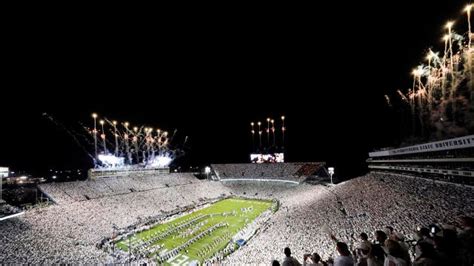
<point x="267" y="158"/>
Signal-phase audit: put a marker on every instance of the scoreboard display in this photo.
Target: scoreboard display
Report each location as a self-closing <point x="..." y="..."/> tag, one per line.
<point x="267" y="158"/>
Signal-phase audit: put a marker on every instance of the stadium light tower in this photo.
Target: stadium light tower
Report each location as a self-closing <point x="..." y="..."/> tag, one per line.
<point x="116" y="137"/>
<point x="207" y="171"/>
<point x="273" y="131"/>
<point x="259" y="134"/>
<point x="135" y="142"/>
<point x="331" y="172"/>
<point x="103" y="135"/>
<point x="283" y="129"/>
<point x="268" y="131"/>
<point x="94" y="115"/>
<point x="127" y="147"/>
<point x="253" y="136"/>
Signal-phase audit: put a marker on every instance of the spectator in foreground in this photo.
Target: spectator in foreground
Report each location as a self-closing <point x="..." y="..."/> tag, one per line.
<point x="314" y="260"/>
<point x="426" y="255"/>
<point x="377" y="251"/>
<point x="344" y="258"/>
<point x="362" y="250"/>
<point x="466" y="240"/>
<point x="395" y="254"/>
<point x="289" y="260"/>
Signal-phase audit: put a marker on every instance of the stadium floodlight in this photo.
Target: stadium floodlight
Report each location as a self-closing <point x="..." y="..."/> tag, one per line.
<point x="283" y="130"/>
<point x="331" y="172"/>
<point x="94" y="115"/>
<point x="268" y="131"/>
<point x="103" y="135"/>
<point x="207" y="171"/>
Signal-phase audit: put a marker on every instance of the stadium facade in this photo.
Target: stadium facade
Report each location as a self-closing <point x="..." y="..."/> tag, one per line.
<point x="449" y="160"/>
<point x="125" y="171"/>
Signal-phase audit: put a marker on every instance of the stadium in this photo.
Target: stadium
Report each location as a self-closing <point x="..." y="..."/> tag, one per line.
<point x="123" y="219"/>
<point x="413" y="204"/>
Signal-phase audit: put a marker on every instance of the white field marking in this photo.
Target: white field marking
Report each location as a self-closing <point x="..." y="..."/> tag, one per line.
<point x="179" y="260"/>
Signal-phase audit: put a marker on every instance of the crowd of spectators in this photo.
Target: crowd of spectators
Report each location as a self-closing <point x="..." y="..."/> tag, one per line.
<point x="311" y="219"/>
<point x="273" y="171"/>
<point x="308" y="217"/>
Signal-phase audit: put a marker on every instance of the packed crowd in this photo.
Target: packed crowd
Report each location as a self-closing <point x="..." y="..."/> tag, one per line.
<point x="309" y="216"/>
<point x="69" y="232"/>
<point x="103" y="187"/>
<point x="284" y="171"/>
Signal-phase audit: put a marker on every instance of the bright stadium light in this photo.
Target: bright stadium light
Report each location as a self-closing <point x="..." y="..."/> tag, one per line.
<point x="331" y="172"/>
<point x="207" y="171"/>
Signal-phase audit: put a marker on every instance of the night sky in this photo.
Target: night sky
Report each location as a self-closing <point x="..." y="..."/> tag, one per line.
<point x="209" y="74"/>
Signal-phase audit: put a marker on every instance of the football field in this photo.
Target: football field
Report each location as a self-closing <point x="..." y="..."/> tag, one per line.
<point x="197" y="236"/>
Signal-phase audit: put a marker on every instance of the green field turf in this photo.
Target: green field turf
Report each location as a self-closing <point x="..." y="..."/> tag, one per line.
<point x="221" y="236"/>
